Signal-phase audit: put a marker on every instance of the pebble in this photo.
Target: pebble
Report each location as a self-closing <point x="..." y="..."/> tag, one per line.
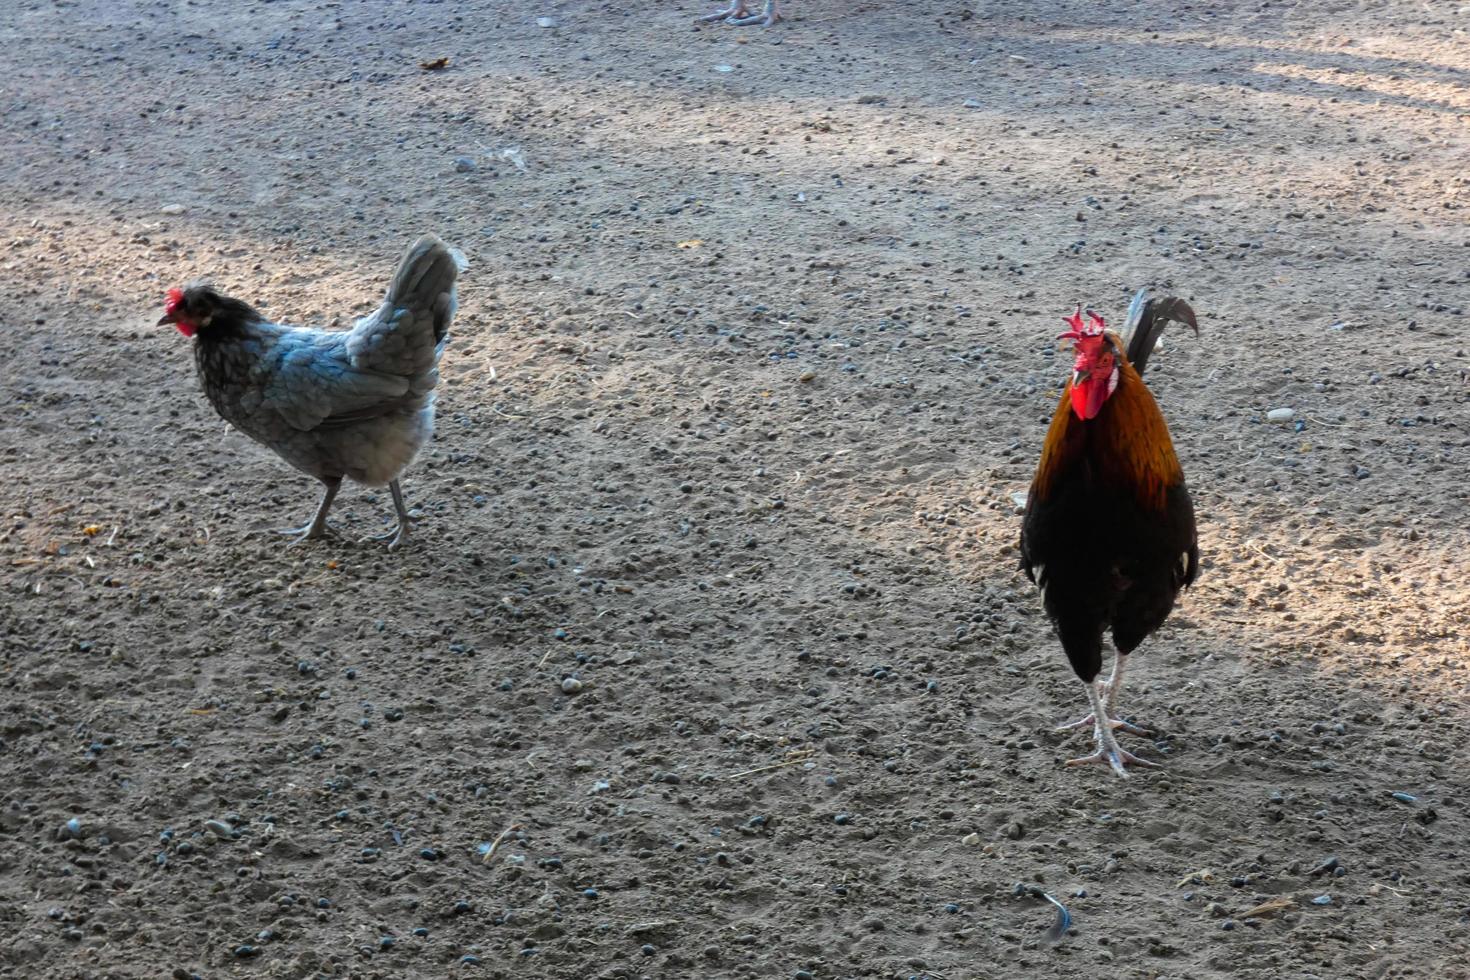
<point x="970" y="840"/>
<point x="245" y="951"/>
<point x="648" y="949"/>
<point x="220" y="829"/>
<point x="571" y="685"/>
<point x="1280" y="415"/>
<point x="1322" y="900"/>
<point x="589" y="893"/>
<point x="1405" y="798"/>
<point x="465" y="165"/>
<point x="546" y="22"/>
<point x="172" y="209"/>
<point x="469" y="959"/>
<point x="386" y="942"/>
<point x="421" y="932"/>
<point x="71" y="829"/>
<point x="972" y="104"/>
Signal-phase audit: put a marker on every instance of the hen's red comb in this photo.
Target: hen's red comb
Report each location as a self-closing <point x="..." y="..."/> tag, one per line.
<point x="1092" y="328"/>
<point x="175" y="298"/>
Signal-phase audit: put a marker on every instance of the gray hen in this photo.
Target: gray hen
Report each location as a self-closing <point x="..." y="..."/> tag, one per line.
<point x="334" y="404"/>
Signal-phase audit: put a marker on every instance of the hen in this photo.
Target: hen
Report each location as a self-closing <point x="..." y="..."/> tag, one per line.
<point x="334" y="404"/>
<point x="1108" y="533"/>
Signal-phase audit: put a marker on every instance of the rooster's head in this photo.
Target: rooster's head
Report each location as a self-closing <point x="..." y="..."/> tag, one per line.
<point x="1095" y="369"/>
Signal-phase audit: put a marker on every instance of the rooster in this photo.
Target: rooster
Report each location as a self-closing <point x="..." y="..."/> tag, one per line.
<point x="1108" y="532"/>
<point x="356" y="403"/>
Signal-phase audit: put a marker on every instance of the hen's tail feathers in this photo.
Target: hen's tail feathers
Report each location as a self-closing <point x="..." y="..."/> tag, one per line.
<point x="406" y="335"/>
<point x="425" y="280"/>
<point x="1146" y="320"/>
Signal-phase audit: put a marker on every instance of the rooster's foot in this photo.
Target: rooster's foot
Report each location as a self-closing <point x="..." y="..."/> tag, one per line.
<point x="1115" y="757"/>
<point x="1116" y="724"/>
<point x="739" y="14"/>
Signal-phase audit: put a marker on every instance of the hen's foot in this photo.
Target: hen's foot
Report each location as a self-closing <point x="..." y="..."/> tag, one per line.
<point x="739" y="15"/>
<point x="310" y="531"/>
<point x="317" y="527"/>
<point x="399" y="534"/>
<point x="1116" y="724"/>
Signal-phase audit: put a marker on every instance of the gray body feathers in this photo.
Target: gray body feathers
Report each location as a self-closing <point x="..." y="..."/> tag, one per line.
<point x="357" y="403"/>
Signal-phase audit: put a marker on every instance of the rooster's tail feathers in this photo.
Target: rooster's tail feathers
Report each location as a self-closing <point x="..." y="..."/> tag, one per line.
<point x="1146" y="321"/>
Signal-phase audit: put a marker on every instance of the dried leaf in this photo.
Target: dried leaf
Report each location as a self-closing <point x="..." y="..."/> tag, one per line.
<point x="434" y="65"/>
<point x="691" y="243"/>
<point x="91" y="530"/>
<point x="1266" y="909"/>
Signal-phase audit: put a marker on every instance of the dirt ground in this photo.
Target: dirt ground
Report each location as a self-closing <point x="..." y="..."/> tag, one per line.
<point x="770" y="314"/>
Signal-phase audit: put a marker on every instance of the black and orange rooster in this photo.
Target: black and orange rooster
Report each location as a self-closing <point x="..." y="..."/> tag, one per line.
<point x="1108" y="533"/>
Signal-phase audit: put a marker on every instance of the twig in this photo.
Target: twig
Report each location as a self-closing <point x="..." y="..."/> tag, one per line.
<point x="1257" y="549"/>
<point x="800" y="756"/>
<point x="490" y="851"/>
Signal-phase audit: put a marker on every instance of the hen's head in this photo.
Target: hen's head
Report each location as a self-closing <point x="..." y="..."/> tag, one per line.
<point x="198" y="306"/>
<point x="1095" y="368"/>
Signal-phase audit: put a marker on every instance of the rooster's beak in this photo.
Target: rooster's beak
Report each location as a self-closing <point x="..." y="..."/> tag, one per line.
<point x="166" y="318"/>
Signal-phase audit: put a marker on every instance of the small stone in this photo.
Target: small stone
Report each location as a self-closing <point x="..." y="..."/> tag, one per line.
<point x="220" y="829"/>
<point x="72" y="830"/>
<point x="571" y="685"/>
<point x="970" y="840"/>
<point x="172" y="209"/>
<point x="1280" y="415"/>
<point x="465" y="165"/>
<point x="1322" y="900"/>
<point x="973" y="104"/>
<point x="546" y="22"/>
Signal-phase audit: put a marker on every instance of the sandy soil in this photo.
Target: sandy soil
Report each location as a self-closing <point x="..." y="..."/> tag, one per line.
<point x="772" y="315"/>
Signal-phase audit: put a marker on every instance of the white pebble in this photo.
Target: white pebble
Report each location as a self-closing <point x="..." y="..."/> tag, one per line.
<point x="571" y="685"/>
<point x="172" y="209"/>
<point x="1280" y="415"/>
<point x="970" y="840"/>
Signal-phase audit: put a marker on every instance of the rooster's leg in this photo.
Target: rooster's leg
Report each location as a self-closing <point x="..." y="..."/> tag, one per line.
<point x="399" y="534"/>
<point x="317" y="527"/>
<point x="1110" y="698"/>
<point x="1108" y="751"/>
<point x="739" y="14"/>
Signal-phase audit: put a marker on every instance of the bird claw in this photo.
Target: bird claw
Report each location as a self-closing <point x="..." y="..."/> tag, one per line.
<point x="738" y="15"/>
<point x="1116" y="724"/>
<point x="398" y="535"/>
<point x="1115" y="757"/>
<point x="307" y="532"/>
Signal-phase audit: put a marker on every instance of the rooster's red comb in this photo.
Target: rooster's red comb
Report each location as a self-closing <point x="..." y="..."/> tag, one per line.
<point x="172" y="302"/>
<point x="1094" y="326"/>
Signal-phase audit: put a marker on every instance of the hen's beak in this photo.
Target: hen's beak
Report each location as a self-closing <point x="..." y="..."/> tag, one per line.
<point x="166" y="318"/>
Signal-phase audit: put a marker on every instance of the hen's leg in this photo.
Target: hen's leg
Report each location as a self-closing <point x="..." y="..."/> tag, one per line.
<point x="317" y="527"/>
<point x="1110" y="698"/>
<point x="1108" y="752"/>
<point x="739" y="14"/>
<point x="400" y="534"/>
